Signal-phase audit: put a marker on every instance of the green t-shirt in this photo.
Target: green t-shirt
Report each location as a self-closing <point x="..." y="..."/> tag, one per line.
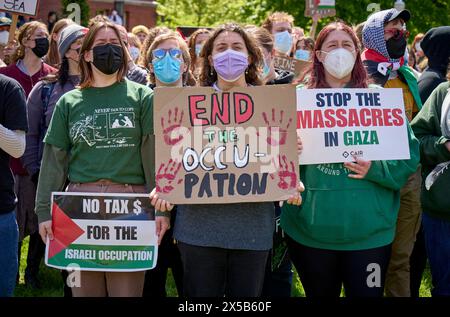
<point x="102" y="130"/>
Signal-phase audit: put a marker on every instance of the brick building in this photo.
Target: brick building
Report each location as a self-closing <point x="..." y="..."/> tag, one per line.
<point x="135" y="12"/>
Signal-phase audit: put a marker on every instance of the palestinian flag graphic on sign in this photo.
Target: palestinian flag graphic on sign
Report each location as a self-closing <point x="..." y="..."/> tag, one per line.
<point x="102" y="232"/>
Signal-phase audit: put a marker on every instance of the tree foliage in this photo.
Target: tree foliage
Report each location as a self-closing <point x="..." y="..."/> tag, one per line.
<point x="425" y="13"/>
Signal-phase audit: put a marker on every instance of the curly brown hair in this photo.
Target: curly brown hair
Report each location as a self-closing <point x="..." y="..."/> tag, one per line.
<point x="191" y="45"/>
<point x="188" y="78"/>
<point x="208" y="75"/>
<point x="153" y="33"/>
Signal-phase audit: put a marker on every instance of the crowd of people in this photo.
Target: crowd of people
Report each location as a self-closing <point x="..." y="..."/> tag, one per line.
<point x="344" y="217"/>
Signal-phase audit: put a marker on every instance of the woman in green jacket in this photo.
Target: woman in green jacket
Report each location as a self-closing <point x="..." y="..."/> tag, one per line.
<point x="342" y="233"/>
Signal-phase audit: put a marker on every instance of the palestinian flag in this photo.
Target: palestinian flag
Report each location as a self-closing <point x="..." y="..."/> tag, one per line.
<point x="102" y="232"/>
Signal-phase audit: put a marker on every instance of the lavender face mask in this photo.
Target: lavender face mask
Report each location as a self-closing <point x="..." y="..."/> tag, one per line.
<point x="230" y="65"/>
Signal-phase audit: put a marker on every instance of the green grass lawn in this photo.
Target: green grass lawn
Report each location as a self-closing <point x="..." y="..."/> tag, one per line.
<point x="52" y="284"/>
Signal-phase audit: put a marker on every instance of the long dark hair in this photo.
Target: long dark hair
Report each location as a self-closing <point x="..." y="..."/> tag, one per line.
<point x="208" y="75"/>
<point x="359" y="78"/>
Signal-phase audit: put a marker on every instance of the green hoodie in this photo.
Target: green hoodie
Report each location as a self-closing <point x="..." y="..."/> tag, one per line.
<point x="341" y="213"/>
<point x="427" y="128"/>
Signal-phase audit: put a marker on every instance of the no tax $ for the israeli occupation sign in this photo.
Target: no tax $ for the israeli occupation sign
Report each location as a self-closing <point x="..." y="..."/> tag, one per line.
<point x="102" y="232"/>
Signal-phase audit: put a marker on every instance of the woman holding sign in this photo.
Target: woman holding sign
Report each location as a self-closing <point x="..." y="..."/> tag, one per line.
<point x="224" y="247"/>
<point x="342" y="233"/>
<point x="109" y="160"/>
<point x="169" y="67"/>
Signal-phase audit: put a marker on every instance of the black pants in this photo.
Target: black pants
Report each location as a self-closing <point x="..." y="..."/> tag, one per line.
<point x="417" y="262"/>
<point x="323" y="272"/>
<point x="216" y="272"/>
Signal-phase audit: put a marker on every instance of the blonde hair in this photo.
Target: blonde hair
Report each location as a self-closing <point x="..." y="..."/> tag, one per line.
<point x="275" y="18"/>
<point x="85" y="67"/>
<point x="140" y="29"/>
<point x="188" y="78"/>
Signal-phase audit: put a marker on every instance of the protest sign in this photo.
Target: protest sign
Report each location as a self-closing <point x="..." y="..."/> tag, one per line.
<point x="102" y="232"/>
<point x="235" y="146"/>
<point x="16" y="8"/>
<point x="338" y="124"/>
<point x="322" y="8"/>
<point x="290" y="64"/>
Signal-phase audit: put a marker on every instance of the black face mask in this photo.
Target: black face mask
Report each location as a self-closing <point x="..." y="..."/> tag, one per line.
<point x="41" y="47"/>
<point x="396" y="47"/>
<point x="108" y="58"/>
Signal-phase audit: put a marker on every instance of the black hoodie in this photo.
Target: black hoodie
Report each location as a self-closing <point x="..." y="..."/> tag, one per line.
<point x="436" y="46"/>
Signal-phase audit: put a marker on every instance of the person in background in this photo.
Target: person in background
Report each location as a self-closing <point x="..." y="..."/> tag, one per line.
<point x="43" y="98"/>
<point x="5" y="24"/>
<point x="347" y="220"/>
<point x="358" y="31"/>
<point x="97" y="166"/>
<point x="52" y="18"/>
<point x="278" y="275"/>
<point x="384" y="37"/>
<point x="52" y="58"/>
<point x="195" y="44"/>
<point x="280" y="25"/>
<point x="115" y="18"/>
<point x="28" y="68"/>
<point x="141" y="31"/>
<point x="297" y="33"/>
<point x="169" y="67"/>
<point x="417" y="50"/>
<point x="436" y="46"/>
<point x="135" y="47"/>
<point x="431" y="126"/>
<point x="304" y="49"/>
<point x="13" y="126"/>
<point x="135" y="73"/>
<point x="153" y="33"/>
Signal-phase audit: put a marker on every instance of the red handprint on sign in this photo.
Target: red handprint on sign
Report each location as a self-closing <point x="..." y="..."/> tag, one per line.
<point x="166" y="176"/>
<point x="172" y="133"/>
<point x="276" y="135"/>
<point x="287" y="179"/>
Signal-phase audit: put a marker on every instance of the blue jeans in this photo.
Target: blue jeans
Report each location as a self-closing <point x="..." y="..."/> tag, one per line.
<point x="437" y="244"/>
<point x="9" y="239"/>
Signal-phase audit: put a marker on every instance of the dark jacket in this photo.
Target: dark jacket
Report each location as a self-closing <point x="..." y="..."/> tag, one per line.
<point x="436" y="46"/>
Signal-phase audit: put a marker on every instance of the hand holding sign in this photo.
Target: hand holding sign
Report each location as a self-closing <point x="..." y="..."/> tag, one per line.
<point x="360" y="168"/>
<point x="45" y="230"/>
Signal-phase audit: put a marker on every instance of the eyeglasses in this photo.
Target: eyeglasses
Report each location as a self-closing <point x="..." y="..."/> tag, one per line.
<point x="160" y="53"/>
<point x="397" y="34"/>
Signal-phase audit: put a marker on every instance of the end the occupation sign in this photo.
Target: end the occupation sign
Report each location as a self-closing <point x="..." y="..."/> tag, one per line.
<point x="102" y="232"/>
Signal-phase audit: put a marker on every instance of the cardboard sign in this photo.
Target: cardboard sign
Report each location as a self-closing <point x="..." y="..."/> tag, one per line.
<point x="290" y="64"/>
<point x="230" y="147"/>
<point x="102" y="232"/>
<point x="20" y="7"/>
<point x="338" y="124"/>
<point x="324" y="8"/>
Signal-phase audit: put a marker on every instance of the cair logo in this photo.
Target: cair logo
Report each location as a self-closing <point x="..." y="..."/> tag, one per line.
<point x="353" y="154"/>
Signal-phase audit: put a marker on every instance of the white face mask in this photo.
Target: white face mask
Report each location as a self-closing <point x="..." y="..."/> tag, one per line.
<point x="4" y="35"/>
<point x="339" y="62"/>
<point x="418" y="47"/>
<point x="134" y="52"/>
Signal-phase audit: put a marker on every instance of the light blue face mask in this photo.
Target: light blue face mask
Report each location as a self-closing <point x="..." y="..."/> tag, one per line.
<point x="302" y="55"/>
<point x="283" y="42"/>
<point x="168" y="69"/>
<point x="266" y="70"/>
<point x="198" y="49"/>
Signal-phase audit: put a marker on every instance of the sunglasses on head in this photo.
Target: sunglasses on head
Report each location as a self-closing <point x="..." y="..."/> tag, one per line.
<point x="398" y="34"/>
<point x="160" y="53"/>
